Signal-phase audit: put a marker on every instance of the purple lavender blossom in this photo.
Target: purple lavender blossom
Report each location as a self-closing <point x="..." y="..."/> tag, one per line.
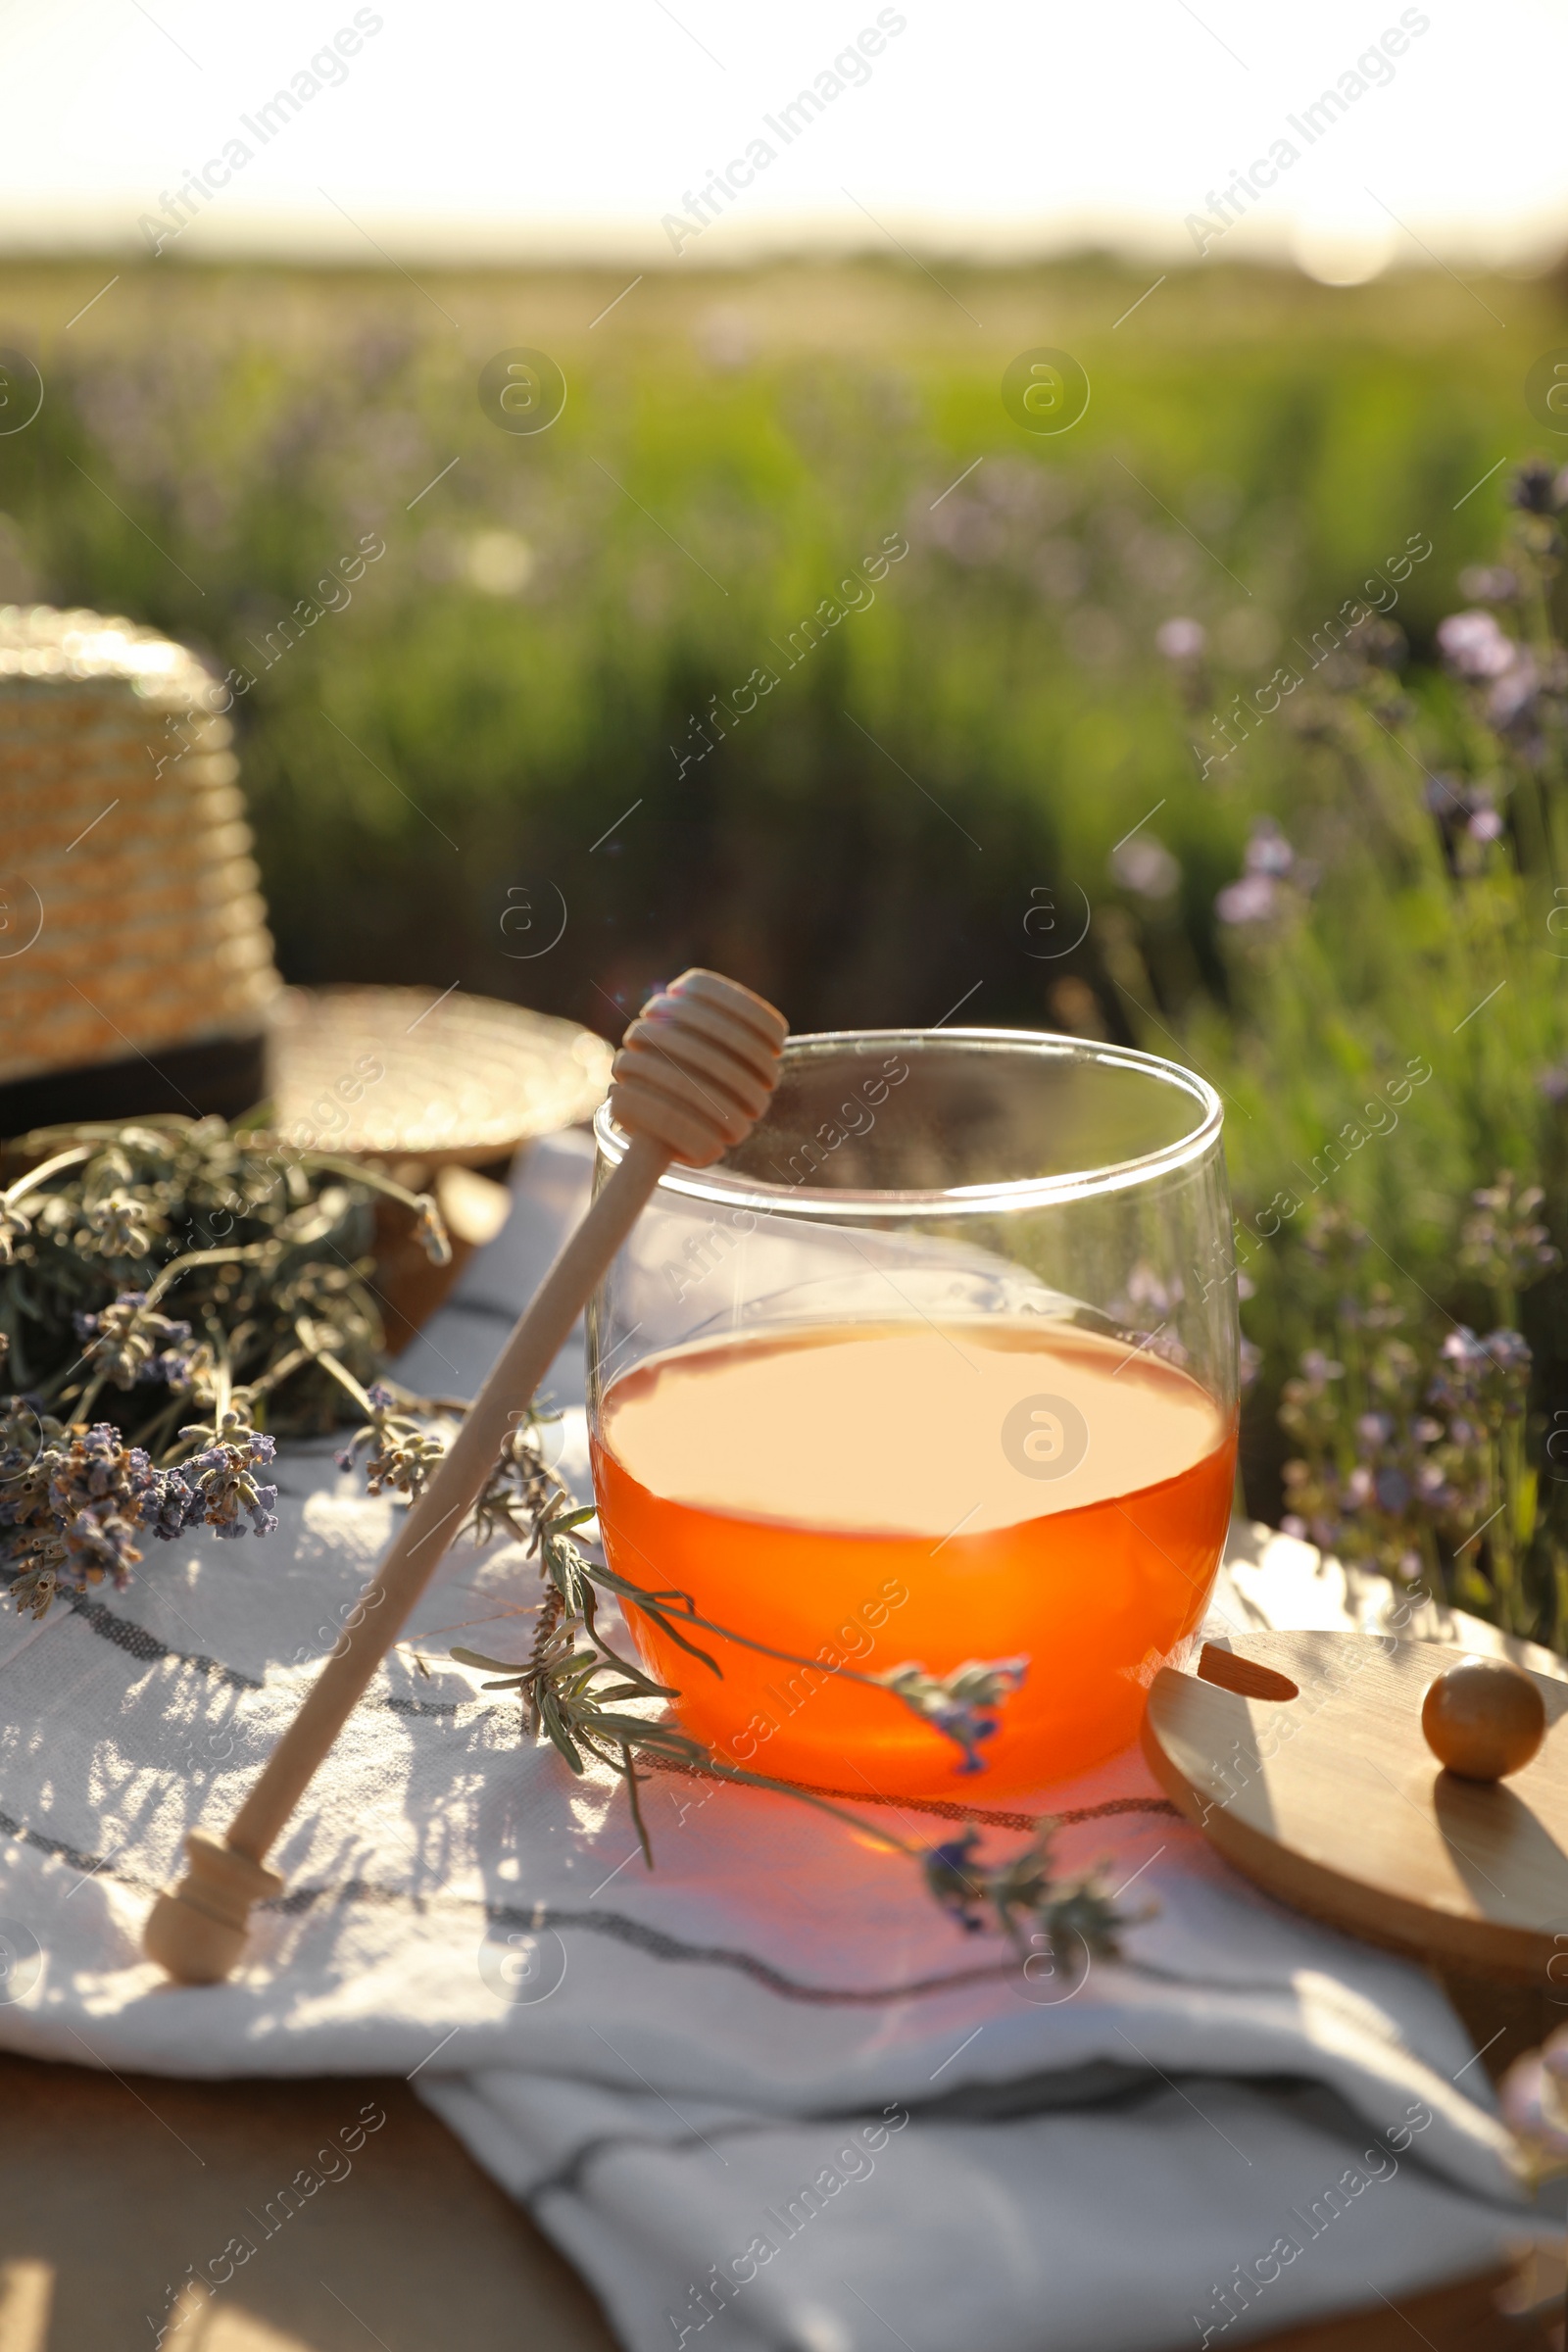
<point x="1267" y="851"/>
<point x="1254" y="899"/>
<point x="1146" y="867"/>
<point x="964" y="1704"/>
<point x="134" y="1345"/>
<point x="219" y="1477"/>
<point x="1534" y="488"/>
<point x="1509" y="1351"/>
<point x="1474" y="645"/>
<point x="1267" y="861"/>
<point x="1180" y="639"/>
<point x="1488" y="583"/>
<point x="1515" y="690"/>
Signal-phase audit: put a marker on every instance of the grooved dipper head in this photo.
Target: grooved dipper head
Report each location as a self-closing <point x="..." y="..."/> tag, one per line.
<point x="696" y="1067"/>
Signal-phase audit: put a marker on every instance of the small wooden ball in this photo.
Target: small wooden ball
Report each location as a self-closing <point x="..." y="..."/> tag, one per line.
<point x="1483" y="1718"/>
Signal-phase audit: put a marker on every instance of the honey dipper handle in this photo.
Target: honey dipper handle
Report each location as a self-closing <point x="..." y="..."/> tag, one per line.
<point x="695" y="1072"/>
<point x="439" y="1512"/>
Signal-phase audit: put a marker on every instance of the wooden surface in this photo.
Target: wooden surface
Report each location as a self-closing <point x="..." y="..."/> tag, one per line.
<point x="111" y="2188"/>
<point x="1333" y="1801"/>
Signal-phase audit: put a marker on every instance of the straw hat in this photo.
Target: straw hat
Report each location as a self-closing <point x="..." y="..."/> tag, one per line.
<point x="135" y="965"/>
<point x="442" y="1078"/>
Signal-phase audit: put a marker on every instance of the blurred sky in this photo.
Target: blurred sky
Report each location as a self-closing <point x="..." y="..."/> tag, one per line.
<point x="498" y="130"/>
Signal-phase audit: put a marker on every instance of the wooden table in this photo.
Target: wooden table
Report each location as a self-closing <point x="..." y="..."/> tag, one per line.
<point x="112" y="2187"/>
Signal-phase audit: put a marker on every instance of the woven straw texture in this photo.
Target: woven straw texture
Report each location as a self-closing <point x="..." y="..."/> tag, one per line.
<point x="407" y="1071"/>
<point x="130" y="914"/>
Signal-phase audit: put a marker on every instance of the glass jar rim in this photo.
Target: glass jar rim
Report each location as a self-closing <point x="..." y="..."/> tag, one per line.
<point x="721" y="1188"/>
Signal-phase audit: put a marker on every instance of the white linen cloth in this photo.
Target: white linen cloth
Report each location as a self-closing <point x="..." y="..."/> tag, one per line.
<point x="769" y="2095"/>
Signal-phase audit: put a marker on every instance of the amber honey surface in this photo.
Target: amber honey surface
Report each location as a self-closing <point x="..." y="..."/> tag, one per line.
<point x="865" y="1496"/>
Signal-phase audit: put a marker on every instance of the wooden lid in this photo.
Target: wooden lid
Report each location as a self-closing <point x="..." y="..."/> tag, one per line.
<point x="395" y="1073"/>
<point x="1332" y="1800"/>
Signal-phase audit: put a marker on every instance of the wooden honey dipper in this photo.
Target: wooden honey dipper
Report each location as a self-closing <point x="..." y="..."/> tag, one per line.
<point x="693" y="1076"/>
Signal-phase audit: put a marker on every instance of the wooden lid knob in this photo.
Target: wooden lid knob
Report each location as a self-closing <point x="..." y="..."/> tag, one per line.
<point x="696" y="1067"/>
<point x="1483" y="1718"/>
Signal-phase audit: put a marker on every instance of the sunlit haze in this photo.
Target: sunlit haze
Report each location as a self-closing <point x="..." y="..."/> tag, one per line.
<point x="491" y="131"/>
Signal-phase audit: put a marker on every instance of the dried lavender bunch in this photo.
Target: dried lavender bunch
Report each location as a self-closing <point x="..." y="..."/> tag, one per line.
<point x="71" y="1502"/>
<point x="266" y="1253"/>
<point x="127" y="1250"/>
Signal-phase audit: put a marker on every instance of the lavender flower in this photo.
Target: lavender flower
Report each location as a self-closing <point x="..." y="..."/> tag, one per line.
<point x="519" y="1490"/>
<point x="1308" y="1411"/>
<point x="1488" y="583"/>
<point x="964" y="1704"/>
<point x="1268" y="862"/>
<point x="1180" y="639"/>
<point x="1510" y="1352"/>
<point x="1146" y="867"/>
<point x="1514" y="694"/>
<point x="27" y="1440"/>
<point x="402" y="1455"/>
<point x="1481" y="1383"/>
<point x="953" y="1883"/>
<point x="1485" y="824"/>
<point x="1474" y="645"/>
<point x="430" y="1232"/>
<point x="72" y="1501"/>
<point x="166" y="1504"/>
<point x="1503" y="1241"/>
<point x="1253" y="900"/>
<point x="1461" y="1368"/>
<point x="1534" y="488"/>
<point x="1368" y="1488"/>
<point x="1267" y="851"/>
<point x="96" y="1541"/>
<point x="121" y="1225"/>
<point x="1077" y="1921"/>
<point x="219" y="1479"/>
<point x="134" y="1345"/>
